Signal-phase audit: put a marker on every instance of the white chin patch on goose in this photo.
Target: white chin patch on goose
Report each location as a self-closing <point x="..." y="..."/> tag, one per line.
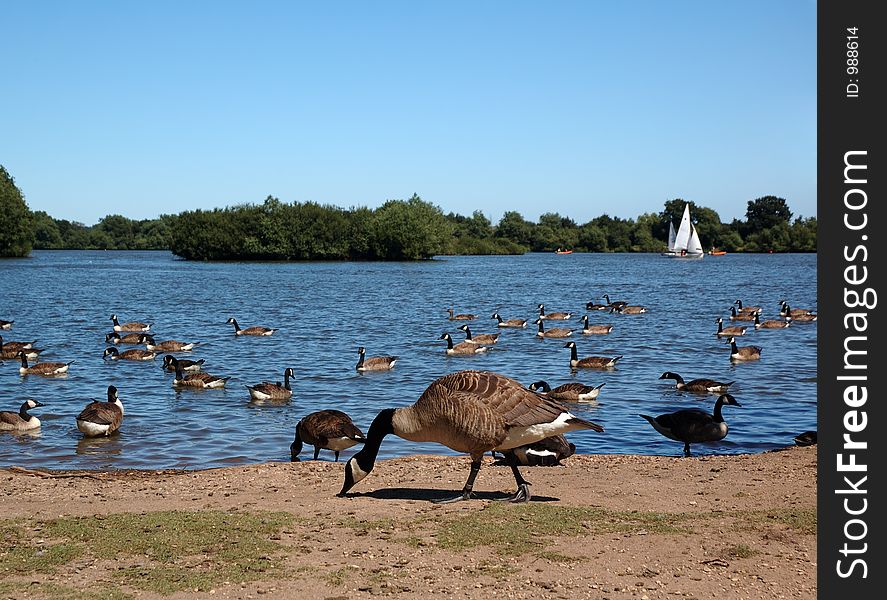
<point x="357" y="474"/>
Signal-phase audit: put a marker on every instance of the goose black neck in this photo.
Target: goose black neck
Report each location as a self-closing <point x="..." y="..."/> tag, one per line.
<point x="541" y="311"/>
<point x="498" y="318"/>
<point x="720" y="326"/>
<point x="467" y="333"/>
<point x="585" y="322"/>
<point x="733" y="347"/>
<point x="23" y="412"/>
<point x="234" y="322"/>
<point x="717" y="412"/>
<point x="24" y="359"/>
<point x="449" y="342"/>
<point x="574" y="354"/>
<point x="541" y="327"/>
<point x="381" y="426"/>
<point x="676" y="377"/>
<point x="296" y="446"/>
<point x="286" y="378"/>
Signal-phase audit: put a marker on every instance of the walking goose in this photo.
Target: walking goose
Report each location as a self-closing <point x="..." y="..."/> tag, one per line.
<point x="15" y="346"/>
<point x="692" y="425"/>
<point x="697" y="385"/>
<point x="572" y="392"/>
<point x="129" y="338"/>
<point x="273" y="391"/>
<point x="326" y="430"/>
<point x="196" y="380"/>
<point x="21" y="420"/>
<point x="374" y="363"/>
<point x="256" y="330"/>
<point x="804" y="318"/>
<point x="43" y="368"/>
<point x="731" y="330"/>
<point x="166" y="345"/>
<point x="772" y="323"/>
<point x="555" y="316"/>
<point x="6" y="324"/>
<point x="544" y="453"/>
<point x="480" y="338"/>
<point x="554" y="332"/>
<point x="736" y="316"/>
<point x="747" y="309"/>
<point x="473" y="412"/>
<point x="134" y="354"/>
<point x="744" y="352"/>
<point x="169" y="363"/>
<point x="463" y="317"/>
<point x="589" y="362"/>
<point x="786" y="311"/>
<point x="615" y="303"/>
<point x="462" y="348"/>
<point x="101" y="418"/>
<point x="594" y="329"/>
<point x="514" y="323"/>
<point x="133" y="326"/>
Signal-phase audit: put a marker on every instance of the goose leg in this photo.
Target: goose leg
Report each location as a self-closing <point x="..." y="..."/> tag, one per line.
<point x="686" y="448"/>
<point x="469" y="485"/>
<point x="316" y="451"/>
<point x="337" y="455"/>
<point x="523" y="486"/>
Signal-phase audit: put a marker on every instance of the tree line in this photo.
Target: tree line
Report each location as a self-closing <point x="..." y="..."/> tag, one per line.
<point x="409" y="229"/>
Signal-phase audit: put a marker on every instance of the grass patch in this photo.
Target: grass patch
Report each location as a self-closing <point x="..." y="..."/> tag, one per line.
<point x="741" y="551"/>
<point x="339" y="576"/>
<point x="802" y="520"/>
<point x="15" y="589"/>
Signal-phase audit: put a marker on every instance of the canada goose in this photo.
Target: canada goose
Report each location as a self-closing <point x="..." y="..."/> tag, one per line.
<point x="786" y="311"/>
<point x="167" y="345"/>
<point x="473" y="412"/>
<point x="555" y="332"/>
<point x="772" y="323"/>
<point x="735" y="316"/>
<point x="15" y="346"/>
<point x="745" y="352"/>
<point x="21" y="420"/>
<point x="326" y="430"/>
<point x="548" y="452"/>
<point x="255" y="330"/>
<point x="44" y="368"/>
<point x="728" y="331"/>
<point x="592" y="306"/>
<point x="464" y="317"/>
<point x="572" y="392"/>
<point x="808" y="438"/>
<point x="374" y="363"/>
<point x="481" y="338"/>
<point x="134" y="354"/>
<point x="6" y="324"/>
<point x="196" y="380"/>
<point x="615" y="303"/>
<point x="30" y="353"/>
<point x="101" y="418"/>
<point x="169" y="363"/>
<point x="273" y="391"/>
<point x="514" y="323"/>
<point x="462" y="348"/>
<point x="134" y="326"/>
<point x="129" y="338"/>
<point x="693" y="425"/>
<point x="697" y="385"/>
<point x="805" y="318"/>
<point x="594" y="329"/>
<point x="555" y="316"/>
<point x="589" y="362"/>
<point x="630" y="310"/>
<point x="747" y="309"/>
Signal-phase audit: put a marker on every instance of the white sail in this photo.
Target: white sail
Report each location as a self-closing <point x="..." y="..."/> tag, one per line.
<point x="671" y="236"/>
<point x="694" y="246"/>
<point x="683" y="236"/>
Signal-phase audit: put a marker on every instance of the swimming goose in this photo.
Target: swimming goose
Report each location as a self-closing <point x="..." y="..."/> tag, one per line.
<point x="374" y="363"/>
<point x="326" y="430"/>
<point x="592" y="306"/>
<point x="16" y="346"/>
<point x="572" y="392"/>
<point x="589" y="362"/>
<point x="167" y="345"/>
<point x="786" y="311"/>
<point x="43" y="368"/>
<point x="134" y="354"/>
<point x="735" y="316"/>
<point x="697" y="385"/>
<point x="630" y="310"/>
<point x="594" y="329"/>
<point x="6" y="324"/>
<point x="101" y="418"/>
<point x="129" y="338"/>
<point x="555" y="316"/>
<point x="747" y="309"/>
<point x="728" y="331"/>
<point x="772" y="323"/>
<point x="615" y="303"/>
<point x="745" y="352"/>
<point x="693" y="425"/>
<point x="555" y="332"/>
<point x="255" y="330"/>
<point x="473" y="412"/>
<point x="462" y="348"/>
<point x="196" y="380"/>
<point x="30" y="353"/>
<point x="21" y="420"/>
<point x="134" y="326"/>
<point x="273" y="391"/>
<point x="516" y="323"/>
<point x="186" y="364"/>
<point x="548" y="452"/>
<point x="464" y="317"/>
<point x="804" y="318"/>
<point x="481" y="338"/>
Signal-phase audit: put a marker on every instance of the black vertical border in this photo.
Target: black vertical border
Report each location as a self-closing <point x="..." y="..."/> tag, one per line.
<point x="850" y="122"/>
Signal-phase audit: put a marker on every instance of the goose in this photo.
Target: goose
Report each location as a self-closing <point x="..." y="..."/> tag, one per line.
<point x="464" y="317"/>
<point x="130" y="338"/>
<point x="572" y="392"/>
<point x="630" y="310"/>
<point x="186" y="364"/>
<point x="481" y="338"/>
<point x="44" y="368"/>
<point x="692" y="425"/>
<point x="21" y="420"/>
<point x="786" y="311"/>
<point x="808" y="438"/>
<point x="735" y="316"/>
<point x="772" y="323"/>
<point x="747" y="309"/>
<point x="462" y="348"/>
<point x="697" y="385"/>
<point x="255" y="330"/>
<point x="805" y="318"/>
<point x="30" y="353"/>
<point x="374" y="363"/>
<point x="6" y="324"/>
<point x="134" y="354"/>
<point x="592" y="306"/>
<point x="745" y="352"/>
<point x="555" y="316"/>
<point x="548" y="452"/>
<point x="589" y="362"/>
<point x="326" y="430"/>
<point x="514" y="323"/>
<point x="196" y="380"/>
<point x="555" y="332"/>
<point x="101" y="418"/>
<point x="167" y="345"/>
<point x="273" y="391"/>
<point x="594" y="329"/>
<point x="134" y="326"/>
<point x="731" y="330"/>
<point x="615" y="303"/>
<point x="16" y="345"/>
<point x="473" y="412"/>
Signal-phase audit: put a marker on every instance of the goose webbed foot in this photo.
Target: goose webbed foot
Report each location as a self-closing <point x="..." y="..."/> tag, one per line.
<point x="522" y="495"/>
<point x="469" y="485"/>
<point x="465" y="495"/>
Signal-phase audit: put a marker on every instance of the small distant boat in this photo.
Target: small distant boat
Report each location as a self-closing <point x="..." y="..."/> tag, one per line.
<point x="562" y="251"/>
<point x="714" y="252"/>
<point x="685" y="243"/>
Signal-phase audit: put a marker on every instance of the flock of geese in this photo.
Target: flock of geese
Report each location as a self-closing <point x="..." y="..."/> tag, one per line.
<point x="469" y="411"/>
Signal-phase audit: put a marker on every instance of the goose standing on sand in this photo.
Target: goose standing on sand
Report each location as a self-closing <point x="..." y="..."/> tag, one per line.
<point x="266" y="390"/>
<point x="21" y="420"/>
<point x="737" y="316"/>
<point x="697" y="385"/>
<point x="170" y="361"/>
<point x="473" y="412"/>
<point x="463" y="317"/>
<point x="544" y="453"/>
<point x="571" y="392"/>
<point x="732" y="330"/>
<point x="462" y="348"/>
<point x="133" y="326"/>
<point x="554" y="332"/>
<point x="374" y="363"/>
<point x="42" y="368"/>
<point x="514" y="323"/>
<point x="594" y="329"/>
<point x="555" y="316"/>
<point x="166" y="345"/>
<point x="256" y="330"/>
<point x="481" y="338"/>
<point x="589" y="362"/>
<point x="747" y="309"/>
<point x="744" y="352"/>
<point x="130" y="338"/>
<point x="6" y="324"/>
<point x="101" y="418"/>
<point x="771" y="323"/>
<point x="196" y="380"/>
<point x="693" y="425"/>
<point x="134" y="354"/>
<point x="326" y="430"/>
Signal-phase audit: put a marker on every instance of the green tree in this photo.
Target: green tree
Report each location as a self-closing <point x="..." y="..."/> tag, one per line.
<point x="16" y="231"/>
<point x="409" y="230"/>
<point x="767" y="212"/>
<point x="46" y="233"/>
<point x="512" y="226"/>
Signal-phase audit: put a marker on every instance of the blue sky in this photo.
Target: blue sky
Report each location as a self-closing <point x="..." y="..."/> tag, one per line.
<point x="582" y="108"/>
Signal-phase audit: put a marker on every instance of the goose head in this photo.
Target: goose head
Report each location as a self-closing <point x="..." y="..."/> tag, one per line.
<point x="570" y="345"/>
<point x="670" y="375"/>
<point x="728" y="399"/>
<point x="33" y="404"/>
<point x="112" y="352"/>
<point x="540" y="385"/>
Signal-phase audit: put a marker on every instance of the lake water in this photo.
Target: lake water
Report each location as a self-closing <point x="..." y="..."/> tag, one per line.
<point x="326" y="310"/>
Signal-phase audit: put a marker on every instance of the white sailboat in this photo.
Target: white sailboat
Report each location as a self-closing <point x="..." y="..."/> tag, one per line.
<point x="686" y="242"/>
<point x="671" y="236"/>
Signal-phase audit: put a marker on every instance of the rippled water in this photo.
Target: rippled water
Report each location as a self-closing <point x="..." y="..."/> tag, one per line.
<point x="326" y="310"/>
